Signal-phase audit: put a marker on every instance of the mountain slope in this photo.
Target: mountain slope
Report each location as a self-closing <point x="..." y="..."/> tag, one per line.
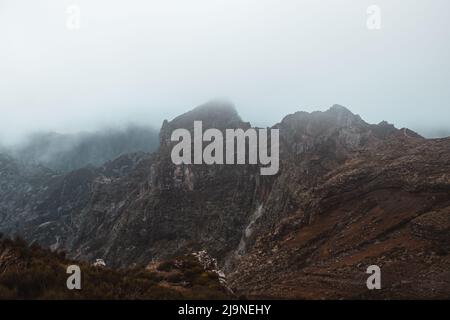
<point x="388" y="206"/>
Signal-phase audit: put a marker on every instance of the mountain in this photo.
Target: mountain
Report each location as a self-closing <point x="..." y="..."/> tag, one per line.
<point x="67" y="152"/>
<point x="348" y="195"/>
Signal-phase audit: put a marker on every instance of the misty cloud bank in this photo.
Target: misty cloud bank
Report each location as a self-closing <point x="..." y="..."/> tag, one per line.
<point x="145" y="61"/>
<point x="66" y="152"/>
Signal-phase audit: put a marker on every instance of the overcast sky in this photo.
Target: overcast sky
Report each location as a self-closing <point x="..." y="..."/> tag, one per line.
<point x="144" y="61"/>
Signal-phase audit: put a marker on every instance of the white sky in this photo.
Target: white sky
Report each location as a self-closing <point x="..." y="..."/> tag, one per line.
<point x="144" y="61"/>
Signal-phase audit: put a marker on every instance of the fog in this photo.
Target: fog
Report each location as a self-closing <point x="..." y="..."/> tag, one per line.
<point x="145" y="61"/>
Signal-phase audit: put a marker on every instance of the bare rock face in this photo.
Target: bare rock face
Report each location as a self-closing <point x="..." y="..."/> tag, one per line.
<point x="175" y="209"/>
<point x="348" y="195"/>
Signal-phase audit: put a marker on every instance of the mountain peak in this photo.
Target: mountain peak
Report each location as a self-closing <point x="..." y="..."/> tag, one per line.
<point x="214" y="114"/>
<point x="219" y="114"/>
<point x="339" y="108"/>
<point x="212" y="111"/>
<point x="319" y="121"/>
<point x="217" y="105"/>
